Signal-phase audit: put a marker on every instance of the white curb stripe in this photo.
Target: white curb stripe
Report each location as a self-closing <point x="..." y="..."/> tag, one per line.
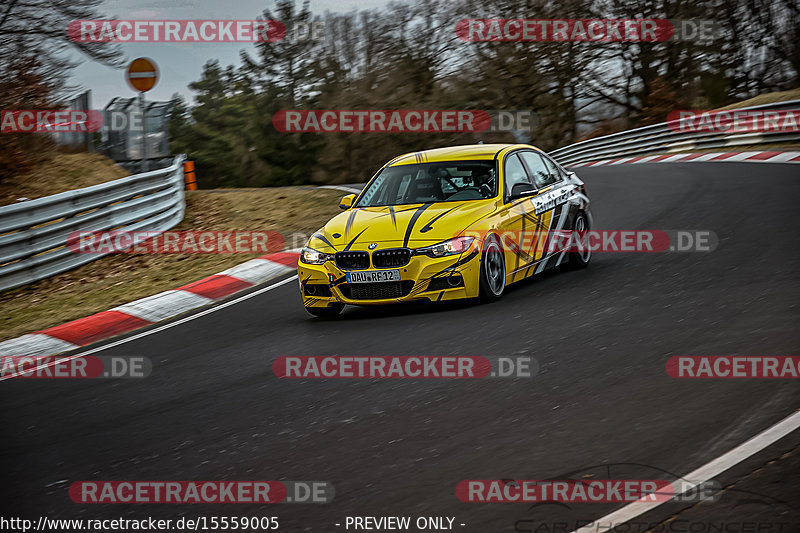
<point x="646" y="159"/>
<point x="741" y="157"/>
<point x="676" y="157"/>
<point x="706" y="157"/>
<point x="257" y="270"/>
<point x="705" y="472"/>
<point x="163" y="305"/>
<point x="34" y="344"/>
<point x="781" y="157"/>
<point x="154" y="308"/>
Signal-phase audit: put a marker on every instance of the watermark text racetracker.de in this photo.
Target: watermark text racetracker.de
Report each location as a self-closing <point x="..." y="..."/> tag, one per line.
<point x="403" y="120"/>
<point x="585" y="30"/>
<point x="404" y="367"/>
<point x="88" y="367"/>
<point x="612" y="241"/>
<point x="201" y="492"/>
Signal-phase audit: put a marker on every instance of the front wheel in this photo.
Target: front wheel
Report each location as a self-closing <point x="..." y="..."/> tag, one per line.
<point x="326" y="312"/>
<point x="493" y="271"/>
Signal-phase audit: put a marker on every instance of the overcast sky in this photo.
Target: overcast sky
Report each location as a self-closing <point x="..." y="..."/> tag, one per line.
<point x="179" y="64"/>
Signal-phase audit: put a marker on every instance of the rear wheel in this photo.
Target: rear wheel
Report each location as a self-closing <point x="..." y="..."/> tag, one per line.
<point x="493" y="270"/>
<point x="581" y="257"/>
<point x="326" y="312"/>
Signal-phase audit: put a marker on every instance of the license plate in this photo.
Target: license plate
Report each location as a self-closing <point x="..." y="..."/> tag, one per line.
<point x="373" y="276"/>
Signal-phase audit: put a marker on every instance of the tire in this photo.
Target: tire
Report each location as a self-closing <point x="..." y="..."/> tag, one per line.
<point x="331" y="311"/>
<point x="493" y="271"/>
<point x="581" y="258"/>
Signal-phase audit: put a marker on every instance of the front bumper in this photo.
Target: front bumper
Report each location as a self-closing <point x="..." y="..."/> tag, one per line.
<point x="423" y="278"/>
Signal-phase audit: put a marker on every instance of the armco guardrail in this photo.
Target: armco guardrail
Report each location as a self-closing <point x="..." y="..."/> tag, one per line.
<point x="33" y="234"/>
<point x="659" y="139"/>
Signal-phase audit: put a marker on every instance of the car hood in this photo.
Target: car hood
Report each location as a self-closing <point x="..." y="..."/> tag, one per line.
<point x="398" y="226"/>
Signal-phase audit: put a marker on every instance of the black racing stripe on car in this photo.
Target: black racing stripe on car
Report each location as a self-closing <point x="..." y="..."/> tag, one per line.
<point x="350" y="220"/>
<point x="427" y="227"/>
<point x="395" y="212"/>
<point x="550" y="230"/>
<point x="519" y="251"/>
<point x="464" y="260"/>
<point x="339" y="281"/>
<point x="413" y="221"/>
<point x="321" y="237"/>
<point x="439" y="298"/>
<point x="532" y="218"/>
<point x="351" y="243"/>
<point x="394" y="218"/>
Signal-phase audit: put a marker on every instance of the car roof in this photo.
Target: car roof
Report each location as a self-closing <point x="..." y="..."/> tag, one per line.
<point x="456" y="153"/>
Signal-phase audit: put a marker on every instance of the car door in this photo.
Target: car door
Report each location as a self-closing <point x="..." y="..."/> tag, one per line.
<point x="518" y="223"/>
<point x="549" y="204"/>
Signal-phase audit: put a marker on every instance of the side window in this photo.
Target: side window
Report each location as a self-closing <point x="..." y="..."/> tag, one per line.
<point x="555" y="170"/>
<point x="514" y="172"/>
<point x="541" y="174"/>
<point x="402" y="188"/>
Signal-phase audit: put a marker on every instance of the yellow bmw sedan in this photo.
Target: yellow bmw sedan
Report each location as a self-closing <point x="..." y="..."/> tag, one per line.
<point x="445" y="224"/>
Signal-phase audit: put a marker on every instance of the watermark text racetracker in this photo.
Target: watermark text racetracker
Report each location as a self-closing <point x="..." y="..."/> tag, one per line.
<point x="733" y="367"/>
<point x="735" y="121"/>
<point x="567" y="490"/>
<point x="175" y="242"/>
<point x="192" y="31"/>
<point x="403" y="120"/>
<point x="201" y="492"/>
<point x="404" y="367"/>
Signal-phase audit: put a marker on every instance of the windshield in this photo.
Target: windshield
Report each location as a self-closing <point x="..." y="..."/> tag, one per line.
<point x="447" y="181"/>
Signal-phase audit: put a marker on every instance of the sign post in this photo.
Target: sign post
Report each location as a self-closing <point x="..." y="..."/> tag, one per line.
<point x="142" y="75"/>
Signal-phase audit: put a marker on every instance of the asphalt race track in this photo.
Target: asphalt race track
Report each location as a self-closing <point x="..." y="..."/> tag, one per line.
<point x="213" y="410"/>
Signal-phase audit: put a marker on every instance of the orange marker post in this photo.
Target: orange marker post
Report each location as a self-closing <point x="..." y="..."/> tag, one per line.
<point x="189" y="176"/>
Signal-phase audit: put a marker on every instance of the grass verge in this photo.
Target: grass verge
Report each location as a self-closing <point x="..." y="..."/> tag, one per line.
<point x="118" y="279"/>
<point x="60" y="172"/>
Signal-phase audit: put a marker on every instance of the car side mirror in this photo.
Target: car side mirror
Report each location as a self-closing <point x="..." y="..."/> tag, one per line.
<point x="521" y="189"/>
<point x="347" y="201"/>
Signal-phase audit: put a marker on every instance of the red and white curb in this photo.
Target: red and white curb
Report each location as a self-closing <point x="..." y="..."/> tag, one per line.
<point x="750" y="157"/>
<point x="147" y="311"/>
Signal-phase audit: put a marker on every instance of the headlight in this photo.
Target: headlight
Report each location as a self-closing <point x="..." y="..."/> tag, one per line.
<point x="452" y="247"/>
<point x="313" y="257"/>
